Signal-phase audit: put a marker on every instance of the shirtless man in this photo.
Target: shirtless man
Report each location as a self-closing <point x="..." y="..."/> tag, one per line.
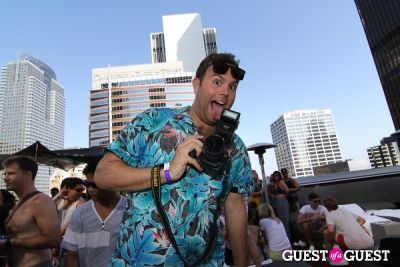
<point x="32" y="228"/>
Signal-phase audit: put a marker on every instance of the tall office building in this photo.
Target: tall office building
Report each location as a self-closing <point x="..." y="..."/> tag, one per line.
<point x="381" y="22"/>
<point x="119" y="94"/>
<point x="305" y="139"/>
<point x="183" y="39"/>
<point x="32" y="108"/>
<point x="384" y="155"/>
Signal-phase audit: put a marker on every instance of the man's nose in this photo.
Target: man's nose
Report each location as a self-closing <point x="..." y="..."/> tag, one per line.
<point x="224" y="89"/>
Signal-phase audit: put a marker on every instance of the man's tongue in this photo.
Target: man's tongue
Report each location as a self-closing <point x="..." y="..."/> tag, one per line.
<point x="216" y="110"/>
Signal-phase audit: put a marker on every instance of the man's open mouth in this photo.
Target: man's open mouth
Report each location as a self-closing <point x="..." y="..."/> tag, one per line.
<point x="217" y="107"/>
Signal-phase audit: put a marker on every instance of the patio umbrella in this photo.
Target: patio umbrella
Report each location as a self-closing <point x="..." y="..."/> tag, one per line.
<point x="64" y="159"/>
<point x="36" y="151"/>
<point x="80" y="155"/>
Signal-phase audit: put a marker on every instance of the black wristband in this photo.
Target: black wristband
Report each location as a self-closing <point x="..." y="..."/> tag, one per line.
<point x="7" y="244"/>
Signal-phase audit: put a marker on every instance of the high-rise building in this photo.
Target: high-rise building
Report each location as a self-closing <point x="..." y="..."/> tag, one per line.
<point x="305" y="139"/>
<point x="119" y="94"/>
<point x="32" y="108"/>
<point x="183" y="39"/>
<point x="381" y="22"/>
<point x="384" y="155"/>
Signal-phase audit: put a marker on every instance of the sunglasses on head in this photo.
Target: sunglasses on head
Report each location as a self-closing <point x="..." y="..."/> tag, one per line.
<point x="222" y="68"/>
<point x="88" y="184"/>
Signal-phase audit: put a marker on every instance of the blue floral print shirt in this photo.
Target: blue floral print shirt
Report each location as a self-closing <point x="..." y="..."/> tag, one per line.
<point x="190" y="203"/>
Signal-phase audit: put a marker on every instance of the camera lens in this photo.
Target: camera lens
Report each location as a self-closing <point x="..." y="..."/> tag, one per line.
<point x="214" y="145"/>
<point x="213" y="158"/>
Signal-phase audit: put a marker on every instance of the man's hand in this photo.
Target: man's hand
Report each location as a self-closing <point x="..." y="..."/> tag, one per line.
<point x="61" y="195"/>
<point x="181" y="159"/>
<point x="316" y="217"/>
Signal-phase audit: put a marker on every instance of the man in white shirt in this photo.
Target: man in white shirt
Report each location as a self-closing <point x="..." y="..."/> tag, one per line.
<point x="312" y="218"/>
<point x="345" y="228"/>
<point x="93" y="230"/>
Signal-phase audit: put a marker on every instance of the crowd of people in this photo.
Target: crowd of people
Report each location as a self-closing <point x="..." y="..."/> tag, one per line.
<point x="88" y="233"/>
<point x="176" y="191"/>
<point x="284" y="225"/>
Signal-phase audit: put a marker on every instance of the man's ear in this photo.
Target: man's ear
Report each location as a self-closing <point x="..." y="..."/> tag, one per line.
<point x="196" y="85"/>
<point x="29" y="174"/>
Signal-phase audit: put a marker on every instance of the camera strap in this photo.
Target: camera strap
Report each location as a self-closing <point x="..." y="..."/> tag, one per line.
<point x="22" y="201"/>
<point x="156" y="189"/>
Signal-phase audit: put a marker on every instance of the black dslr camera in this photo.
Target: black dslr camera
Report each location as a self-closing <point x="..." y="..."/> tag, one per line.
<point x="215" y="159"/>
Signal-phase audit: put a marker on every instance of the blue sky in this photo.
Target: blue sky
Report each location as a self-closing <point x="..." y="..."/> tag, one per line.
<point x="308" y="54"/>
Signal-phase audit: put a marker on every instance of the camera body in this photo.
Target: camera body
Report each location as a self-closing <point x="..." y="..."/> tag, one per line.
<point x="215" y="159"/>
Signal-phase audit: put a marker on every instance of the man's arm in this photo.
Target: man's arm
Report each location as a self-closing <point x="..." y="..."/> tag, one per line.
<point x="255" y="194"/>
<point x="296" y="186"/>
<point x="330" y="236"/>
<point x="46" y="218"/>
<point x="72" y="259"/>
<point x="60" y="196"/>
<point x="360" y="220"/>
<point x="302" y="219"/>
<point x="236" y="224"/>
<point x="113" y="173"/>
<point x="330" y="228"/>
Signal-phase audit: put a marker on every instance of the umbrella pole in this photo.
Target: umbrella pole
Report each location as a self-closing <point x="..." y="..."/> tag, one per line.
<point x="36" y="151"/>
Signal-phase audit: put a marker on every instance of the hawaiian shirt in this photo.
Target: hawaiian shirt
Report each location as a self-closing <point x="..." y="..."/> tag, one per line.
<point x="190" y="203"/>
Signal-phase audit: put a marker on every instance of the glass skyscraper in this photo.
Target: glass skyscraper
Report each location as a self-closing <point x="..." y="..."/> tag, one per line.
<point x="119" y="94"/>
<point x="183" y="39"/>
<point x="305" y="139"/>
<point x="32" y="108"/>
<point x="381" y="22"/>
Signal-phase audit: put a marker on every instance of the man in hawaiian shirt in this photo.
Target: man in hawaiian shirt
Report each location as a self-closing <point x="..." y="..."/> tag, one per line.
<point x="189" y="196"/>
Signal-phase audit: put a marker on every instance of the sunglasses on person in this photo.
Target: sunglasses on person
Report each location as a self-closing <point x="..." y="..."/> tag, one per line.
<point x="79" y="190"/>
<point x="222" y="68"/>
<point x="88" y="184"/>
<point x="316" y="201"/>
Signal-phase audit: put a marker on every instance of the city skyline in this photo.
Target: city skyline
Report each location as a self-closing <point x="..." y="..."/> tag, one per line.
<point x="308" y="55"/>
<point x="31" y="95"/>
